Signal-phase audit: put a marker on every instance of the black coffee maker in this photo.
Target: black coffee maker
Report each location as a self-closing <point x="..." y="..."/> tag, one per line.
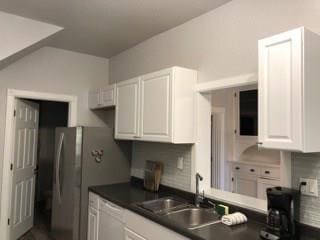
<point x="283" y="210"/>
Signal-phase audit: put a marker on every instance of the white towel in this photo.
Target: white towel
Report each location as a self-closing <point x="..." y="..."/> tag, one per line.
<point x="234" y="219"/>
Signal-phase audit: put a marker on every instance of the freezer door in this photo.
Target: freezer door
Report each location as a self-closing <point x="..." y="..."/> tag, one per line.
<point x="114" y="166"/>
<point x="66" y="187"/>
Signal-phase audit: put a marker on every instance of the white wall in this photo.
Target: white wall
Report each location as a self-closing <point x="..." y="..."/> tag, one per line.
<point x="56" y="71"/>
<point x="220" y="43"/>
<point x="18" y="33"/>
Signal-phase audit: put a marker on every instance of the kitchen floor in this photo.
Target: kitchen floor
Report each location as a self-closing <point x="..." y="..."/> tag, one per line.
<point x="41" y="230"/>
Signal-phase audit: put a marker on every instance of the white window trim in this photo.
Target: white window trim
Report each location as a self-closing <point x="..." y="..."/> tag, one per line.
<point x="12" y="94"/>
<point x="201" y="152"/>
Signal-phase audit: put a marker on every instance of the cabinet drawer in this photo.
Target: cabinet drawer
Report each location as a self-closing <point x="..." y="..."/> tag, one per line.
<point x="93" y="200"/>
<point x="270" y="172"/>
<point x="246" y="169"/>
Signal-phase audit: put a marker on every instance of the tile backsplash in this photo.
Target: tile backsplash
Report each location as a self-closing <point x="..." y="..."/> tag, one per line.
<point x="303" y="165"/>
<point x="168" y="154"/>
<point x="307" y="166"/>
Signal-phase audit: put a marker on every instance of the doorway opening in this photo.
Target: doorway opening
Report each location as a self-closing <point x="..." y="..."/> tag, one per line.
<point x="51" y="115"/>
<point x="29" y="161"/>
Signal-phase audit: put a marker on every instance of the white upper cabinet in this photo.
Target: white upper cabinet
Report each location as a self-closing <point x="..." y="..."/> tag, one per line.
<point x="156" y="106"/>
<point x="102" y="97"/>
<point x="289" y="86"/>
<point x="166" y="107"/>
<point x="127" y="110"/>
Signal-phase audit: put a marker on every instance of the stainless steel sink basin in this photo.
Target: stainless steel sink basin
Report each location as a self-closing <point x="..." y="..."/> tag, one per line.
<point x="193" y="218"/>
<point x="163" y="205"/>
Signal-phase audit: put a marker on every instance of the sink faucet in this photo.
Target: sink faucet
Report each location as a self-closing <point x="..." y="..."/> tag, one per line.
<point x="199" y="198"/>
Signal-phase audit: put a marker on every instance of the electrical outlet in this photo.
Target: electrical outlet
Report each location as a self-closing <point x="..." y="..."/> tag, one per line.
<point x="311" y="187"/>
<point x="180" y="163"/>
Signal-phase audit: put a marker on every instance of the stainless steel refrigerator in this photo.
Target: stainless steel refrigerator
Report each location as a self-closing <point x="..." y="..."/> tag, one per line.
<point x="84" y="156"/>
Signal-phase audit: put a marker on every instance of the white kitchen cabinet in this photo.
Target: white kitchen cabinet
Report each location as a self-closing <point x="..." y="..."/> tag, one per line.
<point x="145" y="229"/>
<point x="165" y="111"/>
<point x="263" y="184"/>
<point x="93" y="217"/>
<point x="102" y="97"/>
<point x="93" y="223"/>
<point x="127" y="110"/>
<point x="156" y="97"/>
<point x="289" y="87"/>
<point x="252" y="178"/>
<point x="131" y="235"/>
<point x="245" y="184"/>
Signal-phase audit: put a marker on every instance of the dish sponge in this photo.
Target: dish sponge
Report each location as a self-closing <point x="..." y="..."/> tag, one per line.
<point x="222" y="209"/>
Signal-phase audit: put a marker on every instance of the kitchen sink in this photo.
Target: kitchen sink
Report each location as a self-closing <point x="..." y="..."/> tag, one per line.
<point x="163" y="205"/>
<point x="193" y="218"/>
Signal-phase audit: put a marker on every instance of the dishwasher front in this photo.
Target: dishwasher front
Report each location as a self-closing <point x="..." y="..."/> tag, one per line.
<point x="111" y="224"/>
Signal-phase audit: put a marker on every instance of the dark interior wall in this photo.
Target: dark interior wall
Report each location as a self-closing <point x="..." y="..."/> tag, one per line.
<point x="52" y="115"/>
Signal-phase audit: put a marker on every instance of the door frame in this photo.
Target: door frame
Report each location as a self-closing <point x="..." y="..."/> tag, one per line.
<point x="12" y="95"/>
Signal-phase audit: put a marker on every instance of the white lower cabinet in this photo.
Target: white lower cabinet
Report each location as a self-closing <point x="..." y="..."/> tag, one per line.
<point x="131" y="235"/>
<point x="108" y="221"/>
<point x="245" y="185"/>
<point x="253" y="180"/>
<point x="93" y="217"/>
<point x="93" y="221"/>
<point x="263" y="184"/>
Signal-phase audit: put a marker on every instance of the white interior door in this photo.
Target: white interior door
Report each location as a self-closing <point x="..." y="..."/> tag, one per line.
<point x="23" y="167"/>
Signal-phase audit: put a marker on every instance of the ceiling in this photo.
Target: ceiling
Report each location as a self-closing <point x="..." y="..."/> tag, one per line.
<point x="107" y="27"/>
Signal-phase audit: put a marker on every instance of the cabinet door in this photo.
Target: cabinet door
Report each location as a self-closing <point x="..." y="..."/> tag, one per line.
<point x="94" y="99"/>
<point x="130" y="235"/>
<point x="263" y="184"/>
<point x="245" y="184"/>
<point x="93" y="223"/>
<point x="107" y="96"/>
<point x="127" y="110"/>
<point x="156" y="105"/>
<point x="280" y="91"/>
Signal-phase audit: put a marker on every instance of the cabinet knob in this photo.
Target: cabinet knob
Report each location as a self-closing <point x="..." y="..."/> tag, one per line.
<point x="237" y="168"/>
<point x="259" y="143"/>
<point x="267" y="172"/>
<point x="252" y="170"/>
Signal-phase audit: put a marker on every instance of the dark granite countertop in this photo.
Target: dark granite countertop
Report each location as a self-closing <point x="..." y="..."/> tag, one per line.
<point x="128" y="194"/>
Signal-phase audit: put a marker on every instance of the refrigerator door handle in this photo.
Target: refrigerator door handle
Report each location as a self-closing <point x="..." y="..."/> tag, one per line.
<point x="58" y="189"/>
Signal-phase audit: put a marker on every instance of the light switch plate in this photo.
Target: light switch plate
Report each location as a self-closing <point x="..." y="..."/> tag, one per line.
<point x="311" y="188"/>
<point x="180" y="163"/>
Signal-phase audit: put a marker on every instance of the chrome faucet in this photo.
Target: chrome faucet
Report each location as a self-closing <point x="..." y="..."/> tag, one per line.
<point x="198" y="198"/>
